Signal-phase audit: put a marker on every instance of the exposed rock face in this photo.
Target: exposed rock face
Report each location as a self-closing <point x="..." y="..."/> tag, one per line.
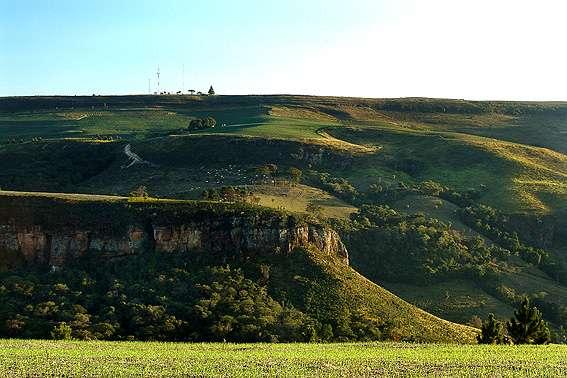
<point x="42" y="244"/>
<point x="243" y="236"/>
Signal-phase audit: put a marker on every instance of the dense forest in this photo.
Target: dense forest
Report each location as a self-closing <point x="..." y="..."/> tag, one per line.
<point x="176" y="297"/>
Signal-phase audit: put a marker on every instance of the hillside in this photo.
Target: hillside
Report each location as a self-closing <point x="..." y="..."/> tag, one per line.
<point x="302" y="265"/>
<point x="452" y="171"/>
<point x="458" y="143"/>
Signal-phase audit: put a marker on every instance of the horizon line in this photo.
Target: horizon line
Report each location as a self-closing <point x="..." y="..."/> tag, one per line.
<point x="279" y="94"/>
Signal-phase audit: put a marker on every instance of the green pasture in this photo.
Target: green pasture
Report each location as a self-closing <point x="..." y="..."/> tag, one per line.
<point x="23" y="358"/>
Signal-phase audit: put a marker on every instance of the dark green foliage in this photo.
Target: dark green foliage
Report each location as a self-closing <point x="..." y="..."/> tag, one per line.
<point x="554" y="312"/>
<point x="495" y="225"/>
<point x="235" y="308"/>
<point x="227" y="194"/>
<point x="412" y="167"/>
<point x="61" y="331"/>
<point x="171" y="300"/>
<point x="493" y="331"/>
<point x="389" y="246"/>
<point x="176" y="297"/>
<point x="54" y="214"/>
<point x="54" y="166"/>
<point x="339" y="186"/>
<point x="527" y="326"/>
<point x="202" y="123"/>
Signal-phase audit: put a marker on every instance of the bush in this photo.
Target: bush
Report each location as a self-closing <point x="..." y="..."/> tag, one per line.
<point x="61" y="331"/>
<point x="201" y="124"/>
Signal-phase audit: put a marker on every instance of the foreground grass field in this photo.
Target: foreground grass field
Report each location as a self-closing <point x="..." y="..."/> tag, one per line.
<point x="58" y="358"/>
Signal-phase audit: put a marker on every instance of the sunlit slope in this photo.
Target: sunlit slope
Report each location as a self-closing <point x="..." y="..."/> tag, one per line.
<point x="515" y="177"/>
<point x="369" y="300"/>
<point x="515" y="150"/>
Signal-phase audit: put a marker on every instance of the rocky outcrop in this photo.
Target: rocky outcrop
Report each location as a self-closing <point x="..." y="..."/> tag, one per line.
<point x="39" y="246"/>
<point x="41" y="242"/>
<point x="247" y="238"/>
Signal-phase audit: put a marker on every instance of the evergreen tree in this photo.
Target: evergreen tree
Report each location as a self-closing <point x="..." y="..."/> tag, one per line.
<point x="211" y="91"/>
<point x="492" y="331"/>
<point x="527" y="326"/>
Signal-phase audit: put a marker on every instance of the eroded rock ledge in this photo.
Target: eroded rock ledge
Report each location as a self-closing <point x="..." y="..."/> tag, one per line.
<point x="55" y="232"/>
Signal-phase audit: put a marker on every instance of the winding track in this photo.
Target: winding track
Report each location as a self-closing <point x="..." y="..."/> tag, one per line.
<point x="134" y="157"/>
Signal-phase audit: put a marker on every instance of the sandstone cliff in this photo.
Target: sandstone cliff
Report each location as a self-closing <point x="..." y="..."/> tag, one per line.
<point x="52" y="232"/>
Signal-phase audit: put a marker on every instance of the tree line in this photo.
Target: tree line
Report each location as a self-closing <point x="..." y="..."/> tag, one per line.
<point x="525" y="327"/>
<point x="173" y="297"/>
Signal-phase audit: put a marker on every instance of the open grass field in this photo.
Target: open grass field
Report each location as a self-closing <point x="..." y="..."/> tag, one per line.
<point x="23" y="358"/>
<point x="297" y="198"/>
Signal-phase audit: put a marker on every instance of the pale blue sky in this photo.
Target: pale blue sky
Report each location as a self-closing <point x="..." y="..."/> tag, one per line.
<point x="505" y="49"/>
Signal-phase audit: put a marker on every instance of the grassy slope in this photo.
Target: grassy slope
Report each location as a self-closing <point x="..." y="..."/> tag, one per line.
<point x="518" y="177"/>
<point x="368" y="299"/>
<point x="297" y="198"/>
<point x="455" y="300"/>
<point x="58" y="358"/>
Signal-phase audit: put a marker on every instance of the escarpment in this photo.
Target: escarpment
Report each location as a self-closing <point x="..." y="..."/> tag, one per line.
<point x="50" y="232"/>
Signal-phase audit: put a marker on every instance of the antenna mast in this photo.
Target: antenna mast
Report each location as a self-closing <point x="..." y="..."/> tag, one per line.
<point x="158" y="78"/>
<point x="149" y="86"/>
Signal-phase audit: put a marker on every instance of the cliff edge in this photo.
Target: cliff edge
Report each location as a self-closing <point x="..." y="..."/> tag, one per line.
<point x="54" y="231"/>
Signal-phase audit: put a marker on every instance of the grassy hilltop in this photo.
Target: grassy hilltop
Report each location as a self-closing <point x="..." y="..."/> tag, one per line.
<point x="435" y="164"/>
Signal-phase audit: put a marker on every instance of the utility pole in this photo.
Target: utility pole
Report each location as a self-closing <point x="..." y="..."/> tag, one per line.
<point x="149" y="86"/>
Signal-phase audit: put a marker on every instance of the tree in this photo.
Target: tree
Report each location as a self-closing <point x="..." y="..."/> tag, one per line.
<point x="211" y="91"/>
<point x="140" y="192"/>
<point x="268" y="170"/>
<point x="62" y="331"/>
<point x="191" y="91"/>
<point x="210" y="122"/>
<point x="294" y="175"/>
<point x="431" y="188"/>
<point x="202" y="123"/>
<point x="196" y="124"/>
<point x="527" y="326"/>
<point x="492" y="331"/>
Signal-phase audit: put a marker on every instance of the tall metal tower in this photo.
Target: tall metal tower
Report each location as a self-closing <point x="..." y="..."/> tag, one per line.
<point x="158" y="79"/>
